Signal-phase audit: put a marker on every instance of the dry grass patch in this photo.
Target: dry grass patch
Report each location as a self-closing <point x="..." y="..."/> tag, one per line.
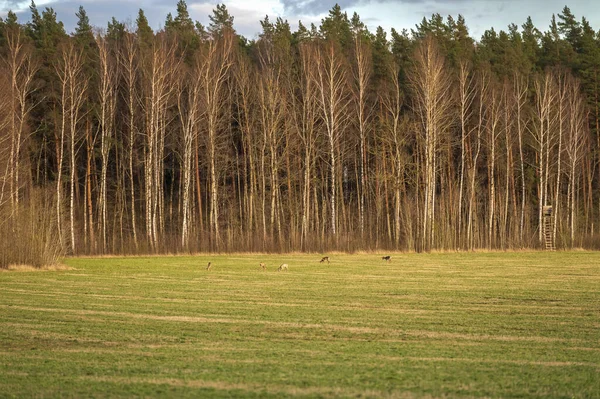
<point x="29" y="268"/>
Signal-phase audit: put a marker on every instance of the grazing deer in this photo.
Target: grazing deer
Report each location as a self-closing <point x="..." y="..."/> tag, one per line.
<point x="283" y="266"/>
<point x="263" y="266"/>
<point x="324" y="259"/>
<point x="208" y="266"/>
<point x="386" y="258"/>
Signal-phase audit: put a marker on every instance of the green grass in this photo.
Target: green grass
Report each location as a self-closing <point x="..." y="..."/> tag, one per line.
<point x="424" y="325"/>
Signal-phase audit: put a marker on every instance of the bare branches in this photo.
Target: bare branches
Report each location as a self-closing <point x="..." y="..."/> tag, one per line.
<point x="432" y="102"/>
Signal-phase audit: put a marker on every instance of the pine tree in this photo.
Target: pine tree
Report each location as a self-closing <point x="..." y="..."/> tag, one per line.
<point x="381" y="54"/>
<point x="115" y="30"/>
<point x="182" y="28"/>
<point x="336" y="27"/>
<point x="589" y="71"/>
<point x="143" y="31"/>
<point x="220" y="20"/>
<point x="531" y="43"/>
<point x="47" y="33"/>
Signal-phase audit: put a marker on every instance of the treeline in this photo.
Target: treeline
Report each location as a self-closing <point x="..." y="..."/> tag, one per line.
<point x="194" y="138"/>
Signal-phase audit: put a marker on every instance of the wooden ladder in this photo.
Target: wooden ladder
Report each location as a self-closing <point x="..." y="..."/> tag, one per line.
<point x="548" y="233"/>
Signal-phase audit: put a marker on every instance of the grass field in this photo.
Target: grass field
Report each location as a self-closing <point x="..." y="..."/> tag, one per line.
<point x="423" y="325"/>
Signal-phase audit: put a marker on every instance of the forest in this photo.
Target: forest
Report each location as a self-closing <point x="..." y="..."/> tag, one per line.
<point x="192" y="138"/>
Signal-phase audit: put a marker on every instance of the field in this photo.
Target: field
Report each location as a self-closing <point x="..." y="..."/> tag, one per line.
<point x="524" y="324"/>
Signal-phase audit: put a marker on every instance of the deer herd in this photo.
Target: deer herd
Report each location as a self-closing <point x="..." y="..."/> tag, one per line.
<point x="284" y="266"/>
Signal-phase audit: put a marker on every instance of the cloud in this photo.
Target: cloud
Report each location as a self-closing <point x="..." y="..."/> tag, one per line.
<point x="11" y="4"/>
<point x="316" y="7"/>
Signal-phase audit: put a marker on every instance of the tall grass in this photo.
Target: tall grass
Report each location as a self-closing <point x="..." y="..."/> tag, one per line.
<point x="29" y="233"/>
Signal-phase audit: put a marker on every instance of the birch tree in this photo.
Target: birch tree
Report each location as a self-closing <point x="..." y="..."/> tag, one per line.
<point x="332" y="84"/>
<point x="575" y="143"/>
<point x="430" y="83"/>
<point x="362" y="68"/>
<point x="21" y="67"/>
<point x="159" y="70"/>
<point x="395" y="135"/>
<point x="74" y="83"/>
<point x="216" y="61"/>
<point x="129" y="62"/>
<point x="306" y="120"/>
<point x="466" y="97"/>
<point x="543" y="135"/>
<point x="106" y="117"/>
<point x="189" y="110"/>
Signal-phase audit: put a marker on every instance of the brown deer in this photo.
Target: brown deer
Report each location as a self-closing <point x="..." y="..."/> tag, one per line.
<point x="208" y="266"/>
<point x="324" y="259"/>
<point x="263" y="266"/>
<point x="282" y="267"/>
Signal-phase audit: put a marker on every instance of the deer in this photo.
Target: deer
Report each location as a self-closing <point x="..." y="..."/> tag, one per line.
<point x="282" y="267"/>
<point x="263" y="266"/>
<point x="324" y="259"/>
<point x="386" y="258"/>
<point x="208" y="266"/>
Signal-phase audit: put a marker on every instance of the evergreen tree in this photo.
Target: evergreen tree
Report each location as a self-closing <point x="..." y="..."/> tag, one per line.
<point x="143" y="31"/>
<point x="531" y="42"/>
<point x="46" y="33"/>
<point x="336" y="27"/>
<point x="169" y="23"/>
<point x="589" y="71"/>
<point x="569" y="27"/>
<point x="302" y="34"/>
<point x="84" y="38"/>
<point x="381" y="54"/>
<point x="115" y="30"/>
<point x="461" y="44"/>
<point x="182" y="27"/>
<point x="11" y="20"/>
<point x="551" y="53"/>
<point x="402" y="47"/>
<point x="220" y="20"/>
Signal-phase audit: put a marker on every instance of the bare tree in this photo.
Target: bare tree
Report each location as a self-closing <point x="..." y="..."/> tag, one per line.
<point x="305" y="116"/>
<point x="21" y="67"/>
<point x="217" y="59"/>
<point x="543" y="135"/>
<point x="332" y="84"/>
<point x="466" y="96"/>
<point x="189" y="110"/>
<point x="272" y="110"/>
<point x="129" y="70"/>
<point x="396" y="137"/>
<point x="5" y="133"/>
<point x="159" y="69"/>
<point x="362" y="67"/>
<point x="494" y="129"/>
<point x="483" y="83"/>
<point x="520" y="90"/>
<point x="432" y="100"/>
<point x="74" y="83"/>
<point x="244" y="78"/>
<point x="575" y="142"/>
<point x="106" y="117"/>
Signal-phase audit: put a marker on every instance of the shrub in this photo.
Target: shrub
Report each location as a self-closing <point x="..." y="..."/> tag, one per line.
<point x="30" y="234"/>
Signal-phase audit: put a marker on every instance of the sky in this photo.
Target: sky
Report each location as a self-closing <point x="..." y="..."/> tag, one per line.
<point x="479" y="14"/>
